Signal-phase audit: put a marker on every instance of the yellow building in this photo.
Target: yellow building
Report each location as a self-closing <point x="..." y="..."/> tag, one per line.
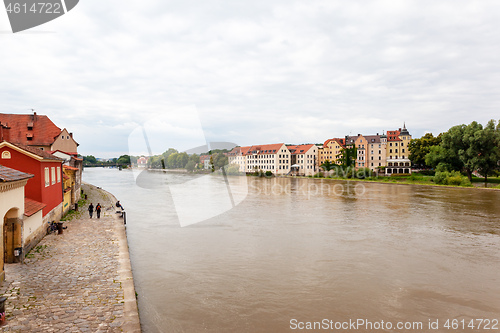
<point x="361" y="143"/>
<point x="69" y="177"/>
<point x="397" y="144"/>
<point x="330" y="151"/>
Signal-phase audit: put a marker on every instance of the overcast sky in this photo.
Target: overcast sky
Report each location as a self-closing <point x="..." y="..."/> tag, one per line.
<point x="254" y="72"/>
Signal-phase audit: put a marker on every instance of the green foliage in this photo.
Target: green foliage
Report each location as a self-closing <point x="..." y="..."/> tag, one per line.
<point x="362" y="173"/>
<point x="327" y="165"/>
<point x="425" y="173"/>
<point x="233" y="169"/>
<point x="124" y="159"/>
<point x="219" y="160"/>
<point x="90" y="159"/>
<point x="347" y="157"/>
<point x="190" y="166"/>
<point x="419" y="148"/>
<point x="450" y="178"/>
<point x="269" y="173"/>
<point x="468" y="147"/>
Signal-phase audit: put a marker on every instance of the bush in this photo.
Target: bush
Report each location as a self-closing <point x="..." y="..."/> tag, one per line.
<point x="269" y="173"/>
<point x="415" y="177"/>
<point x="450" y="178"/>
<point x="233" y="169"/>
<point x="426" y="172"/>
<point x="363" y="173"/>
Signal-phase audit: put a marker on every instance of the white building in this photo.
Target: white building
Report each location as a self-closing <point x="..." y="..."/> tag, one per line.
<point x="22" y="217"/>
<point x="304" y="159"/>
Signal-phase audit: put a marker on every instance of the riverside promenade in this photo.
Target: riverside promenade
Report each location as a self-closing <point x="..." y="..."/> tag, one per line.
<point x="80" y="281"/>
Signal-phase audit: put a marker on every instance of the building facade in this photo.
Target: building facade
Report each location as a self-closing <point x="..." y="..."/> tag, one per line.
<point x="46" y="185"/>
<point x="22" y="224"/>
<point x="331" y="150"/>
<point x="304" y="159"/>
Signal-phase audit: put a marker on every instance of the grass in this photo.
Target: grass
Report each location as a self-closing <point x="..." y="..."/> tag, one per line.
<point x="413" y="179"/>
<point x="495" y="180"/>
<point x="73" y="214"/>
<point x="37" y="249"/>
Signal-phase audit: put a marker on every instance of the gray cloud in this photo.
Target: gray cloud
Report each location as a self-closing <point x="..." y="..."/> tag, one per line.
<point x="258" y="71"/>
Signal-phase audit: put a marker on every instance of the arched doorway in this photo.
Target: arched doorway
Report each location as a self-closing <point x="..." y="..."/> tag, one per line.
<point x="12" y="235"/>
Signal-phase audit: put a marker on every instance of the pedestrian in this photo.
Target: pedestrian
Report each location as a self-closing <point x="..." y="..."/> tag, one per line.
<point x="119" y="205"/>
<point x="98" y="210"/>
<point x="91" y="209"/>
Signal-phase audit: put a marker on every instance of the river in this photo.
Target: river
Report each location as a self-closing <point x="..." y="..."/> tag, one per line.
<point x="299" y="251"/>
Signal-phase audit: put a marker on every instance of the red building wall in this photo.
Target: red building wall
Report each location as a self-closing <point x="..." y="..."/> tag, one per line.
<point x="35" y="189"/>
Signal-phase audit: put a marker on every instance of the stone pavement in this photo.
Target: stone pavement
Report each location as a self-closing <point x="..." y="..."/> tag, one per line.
<point x="79" y="281"/>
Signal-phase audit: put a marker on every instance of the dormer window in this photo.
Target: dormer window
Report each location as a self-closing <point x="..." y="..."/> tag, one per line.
<point x="29" y="137"/>
<point x="30" y="126"/>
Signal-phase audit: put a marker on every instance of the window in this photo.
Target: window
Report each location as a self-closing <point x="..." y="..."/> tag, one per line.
<point x="6" y="155"/>
<point x="58" y="174"/>
<point x="53" y="174"/>
<point x="390" y="144"/>
<point x="47" y="177"/>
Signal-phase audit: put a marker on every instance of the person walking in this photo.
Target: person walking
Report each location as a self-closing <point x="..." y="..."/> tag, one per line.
<point x="91" y="209"/>
<point x="98" y="210"/>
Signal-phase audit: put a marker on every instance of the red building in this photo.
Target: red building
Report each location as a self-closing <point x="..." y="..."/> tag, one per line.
<point x="46" y="186"/>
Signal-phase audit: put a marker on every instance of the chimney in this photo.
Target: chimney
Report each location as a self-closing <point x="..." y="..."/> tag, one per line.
<point x="359" y="134"/>
<point x="71" y="135"/>
<point x="377" y="133"/>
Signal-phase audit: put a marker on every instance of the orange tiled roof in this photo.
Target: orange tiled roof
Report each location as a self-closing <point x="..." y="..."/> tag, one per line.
<point x="393" y="135"/>
<point x="43" y="131"/>
<point x="10" y="175"/>
<point x="340" y="141"/>
<point x="300" y="149"/>
<point x="239" y="150"/>
<point x="31" y="206"/>
<point x="37" y="151"/>
<point x="70" y="168"/>
<point x="264" y="149"/>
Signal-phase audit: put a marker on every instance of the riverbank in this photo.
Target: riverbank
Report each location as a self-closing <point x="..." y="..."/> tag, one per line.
<point x="401" y="181"/>
<point x="78" y="281"/>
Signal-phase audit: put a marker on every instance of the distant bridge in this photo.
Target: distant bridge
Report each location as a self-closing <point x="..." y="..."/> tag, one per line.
<point x="107" y="165"/>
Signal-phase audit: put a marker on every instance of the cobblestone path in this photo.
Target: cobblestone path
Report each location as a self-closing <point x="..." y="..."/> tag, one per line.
<point x="70" y="282"/>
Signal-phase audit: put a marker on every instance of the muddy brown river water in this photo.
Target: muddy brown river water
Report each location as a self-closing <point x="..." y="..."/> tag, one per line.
<point x="286" y="254"/>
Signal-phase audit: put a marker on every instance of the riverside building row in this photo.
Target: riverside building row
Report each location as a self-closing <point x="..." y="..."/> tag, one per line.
<point x="386" y="153"/>
<point x="40" y="180"/>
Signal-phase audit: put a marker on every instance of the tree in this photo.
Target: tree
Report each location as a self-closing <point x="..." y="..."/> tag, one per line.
<point x="489" y="150"/>
<point x="124" y="159"/>
<point x="468" y="148"/>
<point x="190" y="166"/>
<point x="327" y="165"/>
<point x="347" y="157"/>
<point x="89" y="159"/>
<point x="171" y="161"/>
<point x="419" y="148"/>
<point x="219" y="160"/>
